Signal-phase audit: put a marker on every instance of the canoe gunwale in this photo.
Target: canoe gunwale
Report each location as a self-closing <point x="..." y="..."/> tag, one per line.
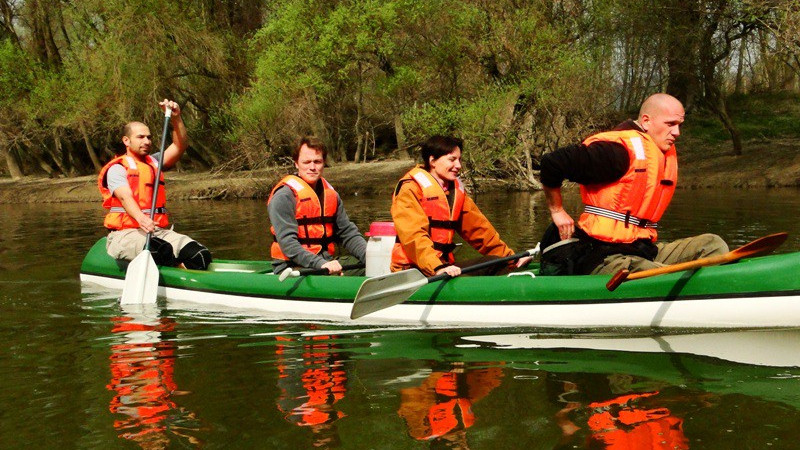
<point x="727" y="296"/>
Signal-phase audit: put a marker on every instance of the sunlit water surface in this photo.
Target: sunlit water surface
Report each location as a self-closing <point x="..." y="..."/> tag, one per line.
<point x="79" y="371"/>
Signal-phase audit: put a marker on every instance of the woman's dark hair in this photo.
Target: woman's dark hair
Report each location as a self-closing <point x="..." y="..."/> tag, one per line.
<point x="312" y="142"/>
<point x="438" y="146"/>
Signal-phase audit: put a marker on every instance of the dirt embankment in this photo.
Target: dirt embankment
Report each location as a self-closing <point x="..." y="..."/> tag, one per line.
<point x="375" y="178"/>
<point x="765" y="164"/>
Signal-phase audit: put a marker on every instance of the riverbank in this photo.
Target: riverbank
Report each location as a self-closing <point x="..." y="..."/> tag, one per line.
<point x="766" y="163"/>
<point x="375" y="178"/>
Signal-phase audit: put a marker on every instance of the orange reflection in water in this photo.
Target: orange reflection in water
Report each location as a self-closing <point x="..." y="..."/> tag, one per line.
<point x="626" y="420"/>
<point x="622" y="423"/>
<point x="311" y="378"/>
<point x="142" y="378"/>
<point x="441" y="407"/>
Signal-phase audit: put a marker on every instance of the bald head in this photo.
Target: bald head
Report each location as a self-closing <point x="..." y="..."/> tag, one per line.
<point x="660" y="117"/>
<point x="657" y="103"/>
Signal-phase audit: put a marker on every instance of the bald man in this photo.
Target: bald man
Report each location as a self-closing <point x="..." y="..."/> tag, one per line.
<point x="627" y="177"/>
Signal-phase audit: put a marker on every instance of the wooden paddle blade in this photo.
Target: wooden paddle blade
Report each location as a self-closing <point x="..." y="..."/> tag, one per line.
<point x="617" y="279"/>
<point x="385" y="291"/>
<point x="760" y="246"/>
<point x="141" y="280"/>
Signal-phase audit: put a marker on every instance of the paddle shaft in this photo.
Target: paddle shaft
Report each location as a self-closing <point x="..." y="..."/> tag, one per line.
<point x="156" y="183"/>
<point x="761" y="245"/>
<point x="323" y="270"/>
<point x="482" y="265"/>
<point x="381" y="292"/>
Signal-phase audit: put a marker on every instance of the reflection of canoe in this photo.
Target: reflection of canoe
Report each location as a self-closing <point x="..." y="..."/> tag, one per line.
<point x="776" y="348"/>
<point x="759" y="292"/>
<point x="695" y="361"/>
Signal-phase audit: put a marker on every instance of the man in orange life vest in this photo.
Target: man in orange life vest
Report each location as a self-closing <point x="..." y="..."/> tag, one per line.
<point x="308" y="217"/>
<point x="627" y="179"/>
<point x="126" y="184"/>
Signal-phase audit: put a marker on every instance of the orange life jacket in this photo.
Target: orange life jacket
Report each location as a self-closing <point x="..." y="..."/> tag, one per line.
<point x="142" y="378"/>
<point x="453" y="412"/>
<point x="443" y="221"/>
<point x="630" y="208"/>
<point x="140" y="180"/>
<point x="323" y="382"/>
<point x="620" y="425"/>
<point x="315" y="227"/>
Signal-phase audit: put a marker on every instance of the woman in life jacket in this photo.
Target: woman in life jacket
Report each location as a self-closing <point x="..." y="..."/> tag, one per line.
<point x="430" y="205"/>
<point x="440" y="409"/>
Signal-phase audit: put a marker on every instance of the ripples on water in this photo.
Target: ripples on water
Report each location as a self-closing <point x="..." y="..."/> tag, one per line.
<point x="78" y="370"/>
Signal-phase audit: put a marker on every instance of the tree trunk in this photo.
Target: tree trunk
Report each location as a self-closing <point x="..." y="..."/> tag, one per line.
<point x="62" y="157"/>
<point x="44" y="43"/>
<point x="400" y="135"/>
<point x="359" y="142"/>
<point x="12" y="164"/>
<point x="740" y="66"/>
<point x="682" y="33"/>
<point x="720" y="108"/>
<point x="89" y="148"/>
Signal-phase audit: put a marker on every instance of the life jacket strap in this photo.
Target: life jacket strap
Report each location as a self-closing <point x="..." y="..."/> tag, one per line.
<point x="626" y="218"/>
<point x="119" y="209"/>
<point x="315" y="220"/>
<point x="323" y="241"/>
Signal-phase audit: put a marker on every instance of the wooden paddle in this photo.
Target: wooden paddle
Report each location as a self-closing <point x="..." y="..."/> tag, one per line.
<point x="382" y="292"/>
<point x="141" y="278"/>
<point x="294" y="273"/>
<point x="762" y="245"/>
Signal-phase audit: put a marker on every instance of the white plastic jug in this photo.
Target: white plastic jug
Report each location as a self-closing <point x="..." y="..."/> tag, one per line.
<point x="379" y="248"/>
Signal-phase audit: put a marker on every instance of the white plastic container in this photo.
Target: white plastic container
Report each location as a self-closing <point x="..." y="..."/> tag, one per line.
<point x="379" y="248"/>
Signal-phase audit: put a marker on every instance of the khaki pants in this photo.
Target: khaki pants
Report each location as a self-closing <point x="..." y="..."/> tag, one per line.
<point x="682" y="250"/>
<point x="126" y="244"/>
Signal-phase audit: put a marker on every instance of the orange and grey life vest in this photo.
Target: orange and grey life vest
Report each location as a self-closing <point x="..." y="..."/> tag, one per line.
<point x="315" y="227"/>
<point x="630" y="208"/>
<point x="452" y="412"/>
<point x="140" y="179"/>
<point x="443" y="220"/>
<point x="620" y="424"/>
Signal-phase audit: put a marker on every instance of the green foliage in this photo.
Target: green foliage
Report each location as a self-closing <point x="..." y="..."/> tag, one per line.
<point x="17" y="74"/>
<point x="514" y="79"/>
<point x="758" y="117"/>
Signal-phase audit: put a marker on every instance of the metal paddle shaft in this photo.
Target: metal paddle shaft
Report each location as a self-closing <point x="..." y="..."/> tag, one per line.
<point x="290" y="272"/>
<point x="141" y="277"/>
<point x="384" y="291"/>
<point x="759" y="246"/>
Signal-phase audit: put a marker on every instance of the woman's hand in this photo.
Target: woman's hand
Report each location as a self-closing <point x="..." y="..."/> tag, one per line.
<point x="453" y="271"/>
<point x="522" y="262"/>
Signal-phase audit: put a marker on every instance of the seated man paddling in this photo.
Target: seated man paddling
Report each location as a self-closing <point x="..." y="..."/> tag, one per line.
<point x="126" y="184"/>
<point x="308" y="217"/>
<point x="627" y="178"/>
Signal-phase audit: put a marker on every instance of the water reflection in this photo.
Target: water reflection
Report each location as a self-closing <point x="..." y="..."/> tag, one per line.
<point x="311" y="380"/>
<point x="620" y="417"/>
<point x="142" y="378"/>
<point x="440" y="408"/>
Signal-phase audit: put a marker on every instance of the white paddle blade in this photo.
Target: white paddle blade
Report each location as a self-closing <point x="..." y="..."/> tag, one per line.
<point x="141" y="280"/>
<point x="385" y="291"/>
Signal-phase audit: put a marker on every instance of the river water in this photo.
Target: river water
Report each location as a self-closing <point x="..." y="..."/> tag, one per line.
<point x="78" y="371"/>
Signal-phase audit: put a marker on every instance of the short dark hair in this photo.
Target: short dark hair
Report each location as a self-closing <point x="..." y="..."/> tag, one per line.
<point x="312" y="142"/>
<point x="438" y="146"/>
<point x="126" y="129"/>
